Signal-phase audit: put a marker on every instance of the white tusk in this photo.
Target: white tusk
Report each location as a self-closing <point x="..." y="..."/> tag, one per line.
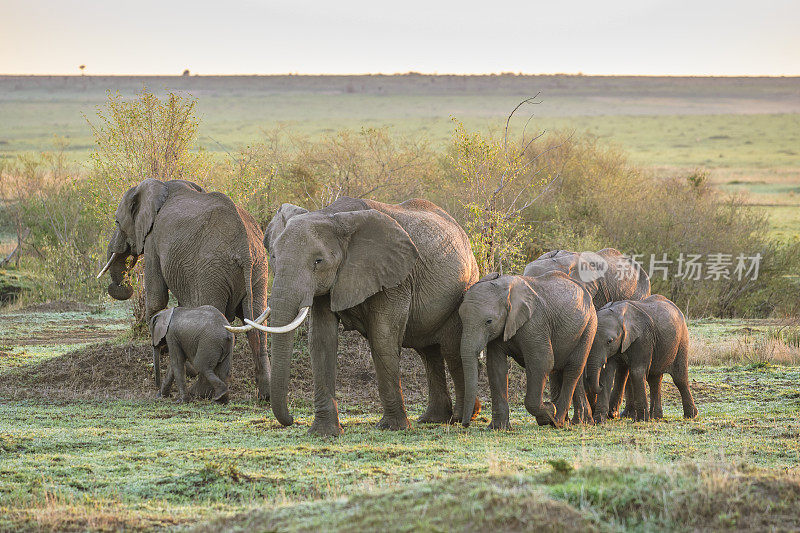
<point x="282" y="329"/>
<point x="263" y="316"/>
<point x="108" y="265"/>
<point x="242" y="329"/>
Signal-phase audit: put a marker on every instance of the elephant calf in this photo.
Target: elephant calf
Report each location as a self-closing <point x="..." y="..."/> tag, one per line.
<point x="644" y="338"/>
<point x="546" y="324"/>
<point x="196" y="336"/>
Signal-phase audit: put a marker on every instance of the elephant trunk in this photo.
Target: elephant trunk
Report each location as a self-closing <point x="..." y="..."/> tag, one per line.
<point x="593" y="369"/>
<point x="469" y="362"/>
<point x="117" y="267"/>
<point x="284" y="310"/>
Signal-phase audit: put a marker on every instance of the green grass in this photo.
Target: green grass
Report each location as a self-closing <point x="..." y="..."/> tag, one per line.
<point x="153" y="462"/>
<point x="78" y="461"/>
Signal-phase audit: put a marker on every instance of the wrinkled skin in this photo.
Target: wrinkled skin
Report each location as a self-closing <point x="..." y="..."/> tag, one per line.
<point x="623" y="279"/>
<point x="195" y="335"/>
<point x="546" y="324"/>
<point x="644" y="339"/>
<point x="200" y="247"/>
<point x="394" y="273"/>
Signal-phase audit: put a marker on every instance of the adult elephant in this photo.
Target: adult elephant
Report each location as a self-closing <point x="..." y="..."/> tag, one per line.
<point x="394" y="273"/>
<point x="198" y="245"/>
<point x="609" y="276"/>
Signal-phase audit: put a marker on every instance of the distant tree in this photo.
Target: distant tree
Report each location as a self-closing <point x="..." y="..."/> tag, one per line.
<point x="82" y="67"/>
<point x="186" y="72"/>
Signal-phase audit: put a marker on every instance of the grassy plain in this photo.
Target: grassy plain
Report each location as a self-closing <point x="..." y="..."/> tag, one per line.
<point x="744" y="131"/>
<point x="85" y="446"/>
<point x="78" y="453"/>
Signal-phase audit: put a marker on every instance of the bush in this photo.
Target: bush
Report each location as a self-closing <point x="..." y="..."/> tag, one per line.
<point x="515" y="197"/>
<point x="600" y="200"/>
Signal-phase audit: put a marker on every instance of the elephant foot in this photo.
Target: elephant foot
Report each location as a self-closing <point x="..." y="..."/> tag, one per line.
<point x="656" y="415"/>
<point x="578" y="420"/>
<point x="437" y="415"/>
<point x="325" y="429"/>
<point x="393" y="423"/>
<point x="548" y="416"/>
<point x="221" y="393"/>
<point x="690" y="413"/>
<point x="627" y="413"/>
<point x="600" y="418"/>
<point x="202" y="389"/>
<point x="263" y="390"/>
<point x="499" y="425"/>
<point x="223" y="398"/>
<point x="161" y="395"/>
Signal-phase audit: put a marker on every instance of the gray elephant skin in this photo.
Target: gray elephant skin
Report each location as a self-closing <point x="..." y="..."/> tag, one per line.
<point x="394" y="273"/>
<point x="194" y="335"/>
<point x="609" y="276"/>
<point x="646" y="338"/>
<point x="546" y="324"/>
<point x="201" y="247"/>
<point x="616" y="278"/>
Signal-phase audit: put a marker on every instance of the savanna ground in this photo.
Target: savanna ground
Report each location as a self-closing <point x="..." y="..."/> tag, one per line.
<point x="85" y="445"/>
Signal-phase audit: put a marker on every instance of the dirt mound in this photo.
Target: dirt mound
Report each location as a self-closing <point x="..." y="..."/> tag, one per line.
<point x="58" y="306"/>
<point x="108" y="371"/>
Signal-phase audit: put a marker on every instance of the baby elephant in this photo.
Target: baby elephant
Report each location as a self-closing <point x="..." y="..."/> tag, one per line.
<point x="193" y="335"/>
<point x="546" y="324"/>
<point x="644" y="338"/>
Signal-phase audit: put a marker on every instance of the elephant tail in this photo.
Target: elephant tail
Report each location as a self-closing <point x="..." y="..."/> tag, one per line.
<point x="642" y="283"/>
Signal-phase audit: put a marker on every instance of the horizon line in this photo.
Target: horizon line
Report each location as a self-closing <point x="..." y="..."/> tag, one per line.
<point x="407" y="73"/>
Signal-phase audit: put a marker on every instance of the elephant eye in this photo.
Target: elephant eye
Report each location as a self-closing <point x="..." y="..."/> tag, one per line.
<point x="489" y="321"/>
<point x="318" y="261"/>
<point x="609" y="341"/>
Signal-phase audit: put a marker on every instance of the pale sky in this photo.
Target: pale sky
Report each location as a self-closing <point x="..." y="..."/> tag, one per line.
<point x="675" y="37"/>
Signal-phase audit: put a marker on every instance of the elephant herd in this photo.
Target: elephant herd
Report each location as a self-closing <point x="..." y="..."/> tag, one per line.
<point x="403" y="276"/>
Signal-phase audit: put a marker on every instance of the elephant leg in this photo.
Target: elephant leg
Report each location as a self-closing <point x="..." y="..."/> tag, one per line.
<point x="572" y="388"/>
<point x="582" y="411"/>
<point x="497" y="370"/>
<point x="654" y="382"/>
<point x="220" y="388"/>
<point x="637" y="381"/>
<point x="223" y="371"/>
<point x="555" y="384"/>
<point x="537" y="367"/>
<point x="205" y="360"/>
<point x="178" y="360"/>
<point x="680" y="376"/>
<point x="386" y="326"/>
<point x="258" y="341"/>
<point x="156" y="293"/>
<point x="630" y="402"/>
<point x="323" y="341"/>
<point x="615" y="395"/>
<point x="440" y="406"/>
<point x="166" y="387"/>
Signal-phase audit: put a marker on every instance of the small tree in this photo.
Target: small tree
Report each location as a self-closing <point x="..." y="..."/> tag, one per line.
<point x="499" y="181"/>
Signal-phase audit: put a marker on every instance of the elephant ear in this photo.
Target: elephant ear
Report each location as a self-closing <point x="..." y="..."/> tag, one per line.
<point x="522" y="300"/>
<point x="632" y="327"/>
<point x="138" y="209"/>
<point x="279" y="221"/>
<point x="378" y="254"/>
<point x="159" y="325"/>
